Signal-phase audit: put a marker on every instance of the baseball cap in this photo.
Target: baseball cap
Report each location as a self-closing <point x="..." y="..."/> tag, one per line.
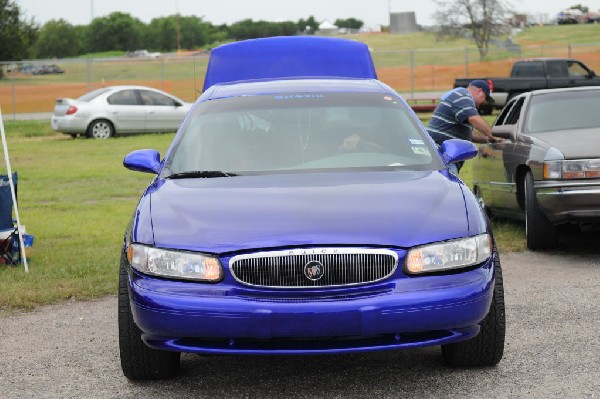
<point x="483" y="85"/>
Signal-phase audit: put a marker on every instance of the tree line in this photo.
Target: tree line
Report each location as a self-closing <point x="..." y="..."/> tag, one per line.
<point x="25" y="39"/>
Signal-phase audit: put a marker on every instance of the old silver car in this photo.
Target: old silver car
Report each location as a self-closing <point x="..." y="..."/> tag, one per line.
<point x="111" y="110"/>
<point x="547" y="170"/>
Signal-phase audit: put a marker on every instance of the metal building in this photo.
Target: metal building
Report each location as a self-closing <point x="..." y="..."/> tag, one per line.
<point x="403" y="22"/>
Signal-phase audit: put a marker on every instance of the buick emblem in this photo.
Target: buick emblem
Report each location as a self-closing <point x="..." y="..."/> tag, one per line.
<point x="314" y="270"/>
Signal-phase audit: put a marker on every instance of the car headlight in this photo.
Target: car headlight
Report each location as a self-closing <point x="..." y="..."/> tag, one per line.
<point x="567" y="169"/>
<point x="448" y="255"/>
<point x="174" y="264"/>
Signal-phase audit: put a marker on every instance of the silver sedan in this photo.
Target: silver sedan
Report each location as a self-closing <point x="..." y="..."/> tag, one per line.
<point x="104" y="112"/>
<point x="547" y="170"/>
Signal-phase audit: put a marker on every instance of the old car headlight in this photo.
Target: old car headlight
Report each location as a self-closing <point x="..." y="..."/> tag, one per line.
<point x="447" y="255"/>
<point x="174" y="264"/>
<point x="567" y="169"/>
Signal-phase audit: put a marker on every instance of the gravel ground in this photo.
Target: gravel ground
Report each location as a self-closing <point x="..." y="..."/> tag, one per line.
<point x="552" y="351"/>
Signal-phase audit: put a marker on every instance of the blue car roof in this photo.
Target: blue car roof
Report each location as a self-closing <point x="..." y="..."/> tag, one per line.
<point x="289" y="57"/>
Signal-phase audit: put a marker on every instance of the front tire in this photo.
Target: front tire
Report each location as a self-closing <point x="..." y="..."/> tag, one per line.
<point x="100" y="129"/>
<point x="541" y="234"/>
<point x="138" y="361"/>
<point x="487" y="347"/>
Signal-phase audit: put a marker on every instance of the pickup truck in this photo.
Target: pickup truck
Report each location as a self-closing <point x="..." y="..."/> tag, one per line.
<point x="534" y="74"/>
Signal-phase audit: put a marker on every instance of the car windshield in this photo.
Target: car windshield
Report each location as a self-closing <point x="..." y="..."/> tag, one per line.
<point x="299" y="132"/>
<point x="93" y="94"/>
<point x="563" y="111"/>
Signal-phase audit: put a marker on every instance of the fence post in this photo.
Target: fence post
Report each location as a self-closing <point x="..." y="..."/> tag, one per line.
<point x="466" y="62"/>
<point x="89" y="73"/>
<point x="412" y="73"/>
<point x="162" y="74"/>
<point x="12" y="95"/>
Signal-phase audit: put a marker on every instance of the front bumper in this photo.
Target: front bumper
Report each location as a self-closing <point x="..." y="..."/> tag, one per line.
<point x="576" y="201"/>
<point x="228" y="318"/>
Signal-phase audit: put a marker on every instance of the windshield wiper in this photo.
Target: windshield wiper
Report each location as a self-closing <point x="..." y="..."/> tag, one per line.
<point x="200" y="174"/>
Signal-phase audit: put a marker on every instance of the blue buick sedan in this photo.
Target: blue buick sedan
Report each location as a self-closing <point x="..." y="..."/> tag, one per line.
<point x="305" y="210"/>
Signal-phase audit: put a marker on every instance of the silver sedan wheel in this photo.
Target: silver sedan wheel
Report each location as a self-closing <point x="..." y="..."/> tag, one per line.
<point x="100" y="129"/>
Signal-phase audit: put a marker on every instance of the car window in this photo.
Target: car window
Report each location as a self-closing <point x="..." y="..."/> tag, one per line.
<point x="576" y="69"/>
<point x="528" y="68"/>
<point x="93" y="94"/>
<point x="510" y="112"/>
<point x="153" y="98"/>
<point x="501" y="119"/>
<point x="513" y="115"/>
<point x="301" y="132"/>
<point x="563" y="110"/>
<point x="557" y="69"/>
<point x="123" y="97"/>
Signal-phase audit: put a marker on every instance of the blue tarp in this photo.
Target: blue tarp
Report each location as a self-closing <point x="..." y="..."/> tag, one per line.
<point x="6" y="202"/>
<point x="289" y="56"/>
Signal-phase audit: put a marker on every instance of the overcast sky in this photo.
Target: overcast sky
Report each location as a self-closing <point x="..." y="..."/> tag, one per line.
<point x="371" y="12"/>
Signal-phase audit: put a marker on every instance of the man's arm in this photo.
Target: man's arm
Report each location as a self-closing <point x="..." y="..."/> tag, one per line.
<point x="483" y="134"/>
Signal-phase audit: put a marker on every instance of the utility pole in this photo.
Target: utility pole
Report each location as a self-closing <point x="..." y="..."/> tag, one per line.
<point x="177" y="27"/>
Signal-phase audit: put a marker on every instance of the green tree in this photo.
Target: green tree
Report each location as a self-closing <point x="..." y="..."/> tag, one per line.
<point x="580" y="7"/>
<point x="162" y="34"/>
<point x="117" y="31"/>
<point x="59" y="39"/>
<point x="194" y="32"/>
<point x="249" y="29"/>
<point x="16" y="34"/>
<point x="308" y="26"/>
<point x="478" y="19"/>
<point x="350" y="23"/>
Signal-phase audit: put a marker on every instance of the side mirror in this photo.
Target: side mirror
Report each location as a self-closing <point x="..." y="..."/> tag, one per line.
<point x="147" y="161"/>
<point x="592" y="73"/>
<point x="455" y="150"/>
<point x="505" y="131"/>
<point x="177" y="104"/>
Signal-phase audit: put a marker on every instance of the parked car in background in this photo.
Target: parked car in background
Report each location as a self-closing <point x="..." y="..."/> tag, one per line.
<point x="143" y="54"/>
<point x="31" y="69"/>
<point x="547" y="170"/>
<point x="535" y="74"/>
<point x="112" y="110"/>
<point x="47" y="70"/>
<point x="302" y="208"/>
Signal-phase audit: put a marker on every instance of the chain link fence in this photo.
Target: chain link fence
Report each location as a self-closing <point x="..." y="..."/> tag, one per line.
<point x="34" y="86"/>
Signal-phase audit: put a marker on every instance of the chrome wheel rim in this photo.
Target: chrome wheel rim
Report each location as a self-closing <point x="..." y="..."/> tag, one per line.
<point x="101" y="130"/>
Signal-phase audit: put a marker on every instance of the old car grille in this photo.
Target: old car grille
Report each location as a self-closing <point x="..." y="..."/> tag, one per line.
<point x="314" y="267"/>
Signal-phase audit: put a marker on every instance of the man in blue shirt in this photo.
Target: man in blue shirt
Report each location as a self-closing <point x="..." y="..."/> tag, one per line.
<point x="456" y="115"/>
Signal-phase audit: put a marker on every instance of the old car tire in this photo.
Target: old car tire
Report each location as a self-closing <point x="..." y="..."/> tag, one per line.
<point x="487" y="347"/>
<point x="138" y="361"/>
<point x="541" y="234"/>
<point x="100" y="129"/>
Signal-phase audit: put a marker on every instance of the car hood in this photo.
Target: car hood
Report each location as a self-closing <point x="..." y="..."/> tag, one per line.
<point x="575" y="143"/>
<point x="219" y="215"/>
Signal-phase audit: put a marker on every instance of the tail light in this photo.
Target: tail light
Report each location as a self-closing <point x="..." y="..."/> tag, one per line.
<point x="491" y="84"/>
<point x="71" y="110"/>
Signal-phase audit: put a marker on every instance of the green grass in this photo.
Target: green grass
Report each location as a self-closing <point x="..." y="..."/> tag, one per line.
<point x="75" y="198"/>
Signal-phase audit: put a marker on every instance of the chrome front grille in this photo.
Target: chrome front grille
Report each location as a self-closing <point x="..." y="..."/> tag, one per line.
<point x="314" y="267"/>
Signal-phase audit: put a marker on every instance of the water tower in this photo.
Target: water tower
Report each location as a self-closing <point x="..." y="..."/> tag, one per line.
<point x="403" y="22"/>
